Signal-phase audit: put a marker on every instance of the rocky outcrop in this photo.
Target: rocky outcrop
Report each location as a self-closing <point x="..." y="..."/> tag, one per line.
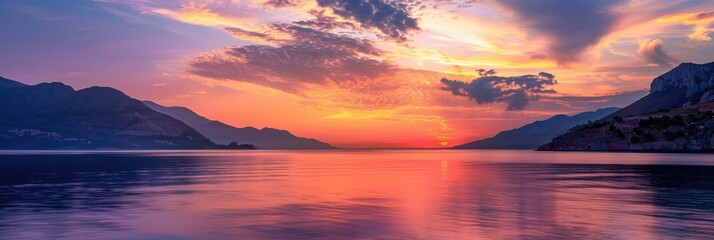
<point x="685" y="85"/>
<point x="696" y="80"/>
<point x="689" y="129"/>
<point x="676" y="116"/>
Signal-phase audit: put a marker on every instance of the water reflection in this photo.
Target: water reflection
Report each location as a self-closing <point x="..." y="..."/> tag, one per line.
<point x="356" y="195"/>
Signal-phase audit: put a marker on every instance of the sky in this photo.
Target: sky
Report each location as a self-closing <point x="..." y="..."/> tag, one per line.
<point x="361" y="73"/>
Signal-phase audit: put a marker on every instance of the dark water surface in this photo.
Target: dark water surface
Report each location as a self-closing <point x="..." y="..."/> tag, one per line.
<point x="395" y="194"/>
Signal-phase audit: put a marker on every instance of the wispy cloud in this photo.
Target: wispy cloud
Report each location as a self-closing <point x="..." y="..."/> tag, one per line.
<point x="701" y="22"/>
<point x="282" y="3"/>
<point x="652" y="51"/>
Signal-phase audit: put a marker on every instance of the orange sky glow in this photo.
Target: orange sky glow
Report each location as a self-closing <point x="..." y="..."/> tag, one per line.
<point x="367" y="79"/>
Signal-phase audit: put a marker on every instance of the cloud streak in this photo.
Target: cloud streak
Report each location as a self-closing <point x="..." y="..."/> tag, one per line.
<point x="243" y="34"/>
<point x="701" y="22"/>
<point x="515" y="91"/>
<point x="281" y="3"/>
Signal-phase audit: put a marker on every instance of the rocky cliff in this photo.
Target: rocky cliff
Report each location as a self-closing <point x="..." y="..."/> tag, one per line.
<point x="697" y="81"/>
<point x="676" y="116"/>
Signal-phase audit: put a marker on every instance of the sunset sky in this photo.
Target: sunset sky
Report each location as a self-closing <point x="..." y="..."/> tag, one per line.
<point x="361" y="73"/>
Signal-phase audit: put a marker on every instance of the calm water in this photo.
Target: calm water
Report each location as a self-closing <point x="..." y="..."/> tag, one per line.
<point x="409" y="194"/>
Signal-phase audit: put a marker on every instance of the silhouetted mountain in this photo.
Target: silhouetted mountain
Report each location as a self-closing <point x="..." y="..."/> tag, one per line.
<point x="677" y="116"/>
<point x="535" y="134"/>
<point x="266" y="138"/>
<point x="7" y="83"/>
<point x="55" y="116"/>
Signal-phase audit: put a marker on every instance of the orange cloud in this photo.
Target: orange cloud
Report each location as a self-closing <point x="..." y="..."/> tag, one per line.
<point x="199" y="14"/>
<point x="700" y="21"/>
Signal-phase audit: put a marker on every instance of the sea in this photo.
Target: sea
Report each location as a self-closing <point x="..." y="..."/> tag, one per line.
<point x="355" y="194"/>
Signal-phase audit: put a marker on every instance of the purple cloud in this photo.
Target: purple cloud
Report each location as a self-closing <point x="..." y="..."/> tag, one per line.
<point x="392" y="18"/>
<point x="309" y="57"/>
<point x="488" y="88"/>
<point x="571" y="27"/>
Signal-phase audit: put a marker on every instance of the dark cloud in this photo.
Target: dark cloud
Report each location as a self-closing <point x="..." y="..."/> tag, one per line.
<point x="392" y="18"/>
<point x="653" y="52"/>
<point x="484" y="72"/>
<point x="571" y="27"/>
<point x="309" y="56"/>
<point x="489" y="88"/>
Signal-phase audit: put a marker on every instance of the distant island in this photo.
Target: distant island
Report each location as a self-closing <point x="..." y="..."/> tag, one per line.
<point x="676" y="116"/>
<point x="533" y="135"/>
<point x="55" y="116"/>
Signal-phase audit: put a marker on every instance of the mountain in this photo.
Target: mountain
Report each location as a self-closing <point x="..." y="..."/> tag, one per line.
<point x="532" y="135"/>
<point x="266" y="138"/>
<point x="685" y="85"/>
<point x="676" y="116"/>
<point x="55" y="116"/>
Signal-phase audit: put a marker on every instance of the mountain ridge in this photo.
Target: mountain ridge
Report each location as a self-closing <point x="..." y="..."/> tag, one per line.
<point x="56" y="116"/>
<point x="219" y="132"/>
<point x="535" y="134"/>
<point x="685" y="85"/>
